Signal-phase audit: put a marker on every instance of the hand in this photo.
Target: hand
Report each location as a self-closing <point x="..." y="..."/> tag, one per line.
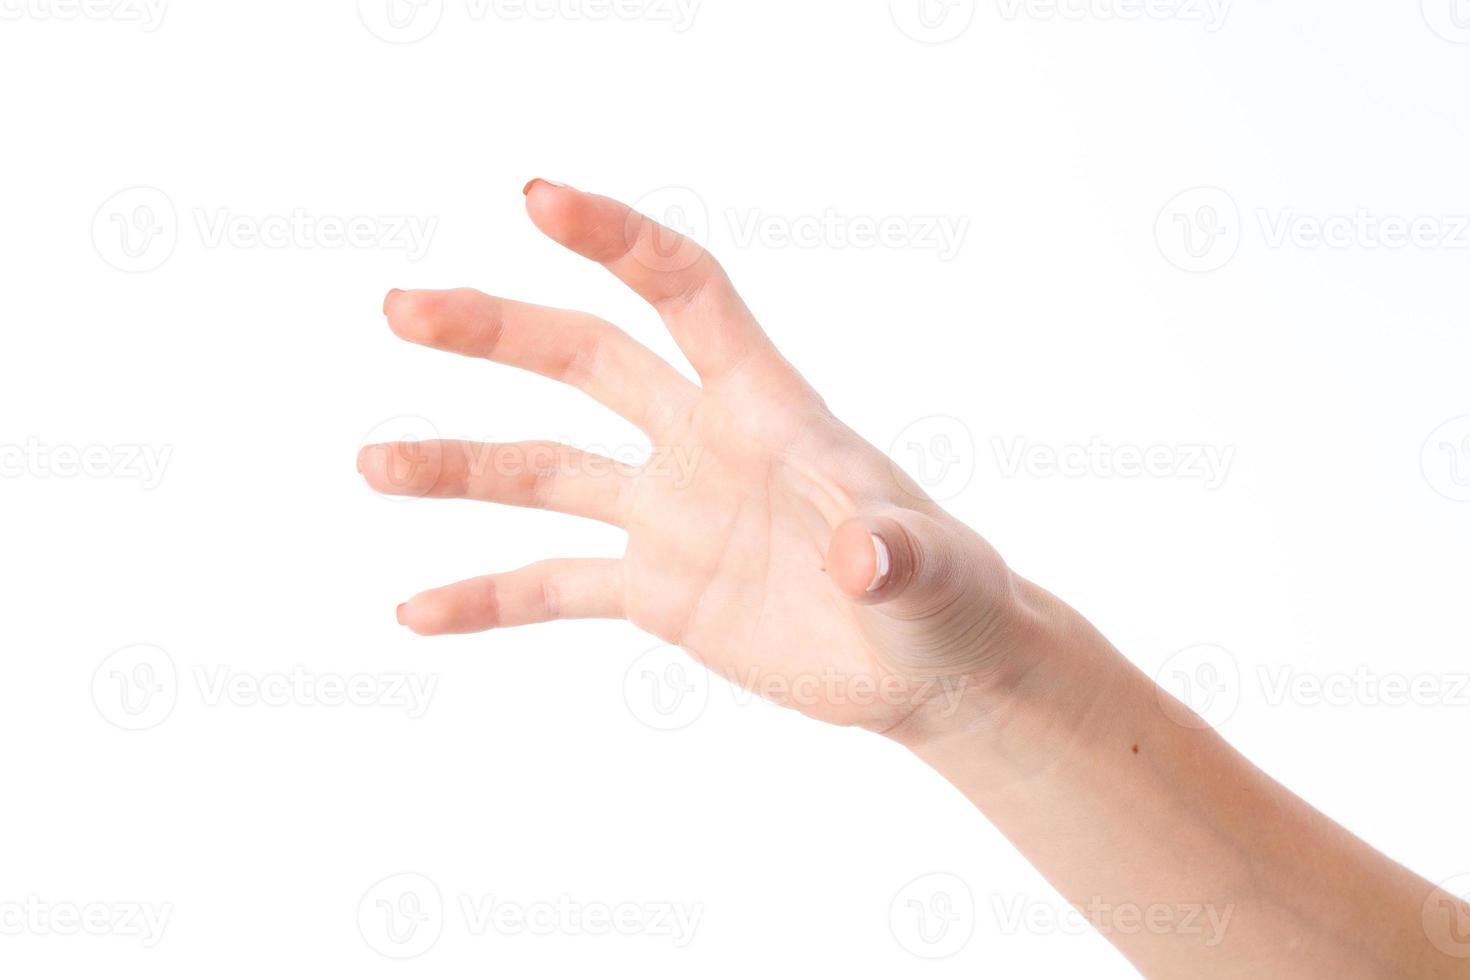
<point x="790" y="556"/>
<point x="764" y="537"/>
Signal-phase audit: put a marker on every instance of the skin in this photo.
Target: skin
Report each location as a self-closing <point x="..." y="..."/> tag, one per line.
<point x="784" y="552"/>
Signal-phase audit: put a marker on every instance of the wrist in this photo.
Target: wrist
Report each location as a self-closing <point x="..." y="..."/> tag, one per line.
<point x="1031" y="697"/>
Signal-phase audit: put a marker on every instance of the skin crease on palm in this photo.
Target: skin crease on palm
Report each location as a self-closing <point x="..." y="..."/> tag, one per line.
<point x="759" y="564"/>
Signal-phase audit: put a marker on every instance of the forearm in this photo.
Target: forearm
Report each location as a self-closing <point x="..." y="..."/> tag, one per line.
<point x="1192" y="861"/>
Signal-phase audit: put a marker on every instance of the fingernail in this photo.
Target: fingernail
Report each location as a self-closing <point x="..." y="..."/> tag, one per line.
<point x="880" y="570"/>
<point x="540" y="180"/>
<point x="387" y="299"/>
<point x="399" y="612"/>
<point x="359" y="458"/>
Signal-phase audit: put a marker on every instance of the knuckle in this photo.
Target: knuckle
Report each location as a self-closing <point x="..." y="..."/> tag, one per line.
<point x="551" y="598"/>
<point x="583" y="360"/>
<point x="539" y="483"/>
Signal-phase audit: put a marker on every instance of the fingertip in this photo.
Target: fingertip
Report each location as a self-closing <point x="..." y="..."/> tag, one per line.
<point x="857" y="559"/>
<point x="880" y="564"/>
<point x="428" y="317"/>
<point x="464" y="607"/>
<point x="421" y="616"/>
<point x="544" y="204"/>
<point x="551" y="212"/>
<point x="593" y="227"/>
<point x="403" y="310"/>
<point x="404" y="469"/>
<point x="369" y="458"/>
<point x="534" y="181"/>
<point x="375" y="459"/>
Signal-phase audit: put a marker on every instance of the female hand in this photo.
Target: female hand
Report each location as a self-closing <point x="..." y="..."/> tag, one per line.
<point x="766" y="538"/>
<point x="790" y="556"/>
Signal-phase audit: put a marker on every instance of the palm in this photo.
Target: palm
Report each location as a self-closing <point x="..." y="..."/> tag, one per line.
<point x="729" y="563"/>
<point x="744" y="542"/>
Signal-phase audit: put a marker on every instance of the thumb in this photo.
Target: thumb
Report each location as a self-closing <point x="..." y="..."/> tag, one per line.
<point x="907" y="562"/>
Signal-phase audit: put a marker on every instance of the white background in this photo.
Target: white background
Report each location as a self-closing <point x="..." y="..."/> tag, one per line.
<point x="1331" y="550"/>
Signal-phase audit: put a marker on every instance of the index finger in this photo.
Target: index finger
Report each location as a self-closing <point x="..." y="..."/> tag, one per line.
<point x="674" y="273"/>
